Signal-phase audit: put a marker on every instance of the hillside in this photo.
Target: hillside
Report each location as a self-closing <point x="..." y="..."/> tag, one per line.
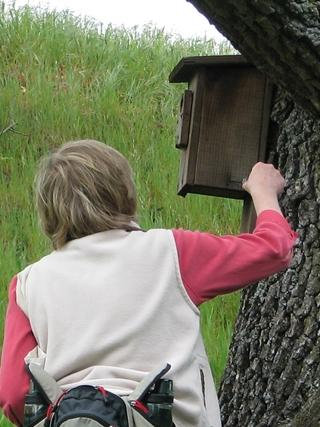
<point x="63" y="79"/>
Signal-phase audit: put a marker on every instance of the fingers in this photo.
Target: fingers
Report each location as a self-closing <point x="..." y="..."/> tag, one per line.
<point x="244" y="183"/>
<point x="264" y="177"/>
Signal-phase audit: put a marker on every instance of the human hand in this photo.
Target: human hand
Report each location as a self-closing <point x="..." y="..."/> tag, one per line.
<point x="264" y="178"/>
<point x="265" y="183"/>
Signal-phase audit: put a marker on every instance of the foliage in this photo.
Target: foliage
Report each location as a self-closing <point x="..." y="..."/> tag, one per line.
<point x="63" y="78"/>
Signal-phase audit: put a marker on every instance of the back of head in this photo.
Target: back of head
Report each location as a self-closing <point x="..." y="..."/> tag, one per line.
<point x="82" y="188"/>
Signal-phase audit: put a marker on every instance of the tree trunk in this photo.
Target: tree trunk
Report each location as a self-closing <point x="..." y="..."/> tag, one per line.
<point x="273" y="372"/>
<point x="274" y="360"/>
<point x="281" y="37"/>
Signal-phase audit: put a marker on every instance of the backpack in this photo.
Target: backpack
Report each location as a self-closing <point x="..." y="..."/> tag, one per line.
<point x="47" y="405"/>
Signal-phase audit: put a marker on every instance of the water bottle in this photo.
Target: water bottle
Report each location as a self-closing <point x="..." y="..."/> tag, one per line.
<point x="159" y="402"/>
<point x="35" y="407"/>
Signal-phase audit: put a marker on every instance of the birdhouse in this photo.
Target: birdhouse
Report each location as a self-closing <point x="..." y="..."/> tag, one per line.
<point x="223" y="124"/>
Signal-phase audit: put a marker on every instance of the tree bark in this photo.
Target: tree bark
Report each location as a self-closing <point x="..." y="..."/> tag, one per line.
<point x="273" y="372"/>
<point x="274" y="365"/>
<point x="282" y="38"/>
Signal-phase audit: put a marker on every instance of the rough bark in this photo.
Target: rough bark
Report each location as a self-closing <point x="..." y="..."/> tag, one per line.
<point x="281" y="37"/>
<point x="273" y="372"/>
<point x="274" y="364"/>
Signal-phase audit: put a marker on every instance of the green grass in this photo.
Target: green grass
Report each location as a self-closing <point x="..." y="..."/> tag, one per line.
<point x="61" y="79"/>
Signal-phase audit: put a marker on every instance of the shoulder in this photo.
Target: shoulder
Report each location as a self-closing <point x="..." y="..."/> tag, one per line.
<point x="154" y="238"/>
<point x="22" y="280"/>
<point x="157" y="243"/>
<point x="152" y="233"/>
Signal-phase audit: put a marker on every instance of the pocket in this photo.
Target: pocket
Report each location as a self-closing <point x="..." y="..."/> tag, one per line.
<point x="207" y="393"/>
<point x="203" y="386"/>
<point x="89" y="406"/>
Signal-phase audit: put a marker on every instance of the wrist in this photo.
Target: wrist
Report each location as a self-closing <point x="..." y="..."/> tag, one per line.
<point x="265" y="201"/>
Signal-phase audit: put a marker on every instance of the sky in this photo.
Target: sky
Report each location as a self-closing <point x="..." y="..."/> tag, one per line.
<point x="175" y="16"/>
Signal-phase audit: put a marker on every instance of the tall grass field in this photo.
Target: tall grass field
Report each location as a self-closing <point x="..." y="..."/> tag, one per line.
<point x="63" y="78"/>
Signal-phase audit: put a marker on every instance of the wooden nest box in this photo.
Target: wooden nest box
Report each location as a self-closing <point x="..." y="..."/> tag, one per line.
<point x="223" y="125"/>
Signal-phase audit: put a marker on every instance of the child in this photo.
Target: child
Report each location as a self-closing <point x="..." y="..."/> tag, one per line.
<point x="112" y="301"/>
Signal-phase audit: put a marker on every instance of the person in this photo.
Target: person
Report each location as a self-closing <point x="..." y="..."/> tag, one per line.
<point x="112" y="301"/>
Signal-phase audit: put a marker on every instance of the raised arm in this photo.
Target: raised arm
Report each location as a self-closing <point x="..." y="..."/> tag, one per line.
<point x="212" y="265"/>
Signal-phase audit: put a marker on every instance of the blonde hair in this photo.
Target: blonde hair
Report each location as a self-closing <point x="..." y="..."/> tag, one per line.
<point x="82" y="188"/>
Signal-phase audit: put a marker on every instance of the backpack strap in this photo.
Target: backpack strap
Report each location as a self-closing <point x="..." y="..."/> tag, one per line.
<point x="134" y="402"/>
<point x="148" y="381"/>
<point x="44" y="382"/>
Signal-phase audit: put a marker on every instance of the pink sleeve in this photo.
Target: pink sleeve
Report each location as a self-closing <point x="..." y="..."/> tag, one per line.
<point x="212" y="265"/>
<point x="18" y="341"/>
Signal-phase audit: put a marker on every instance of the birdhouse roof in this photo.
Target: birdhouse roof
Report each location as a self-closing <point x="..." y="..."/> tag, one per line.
<point x="187" y="67"/>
